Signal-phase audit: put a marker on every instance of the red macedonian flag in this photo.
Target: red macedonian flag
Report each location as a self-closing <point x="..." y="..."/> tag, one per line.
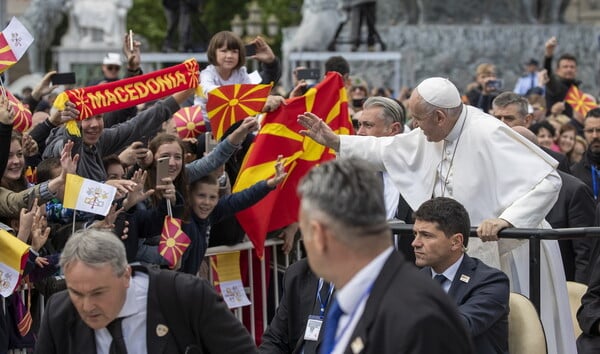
<point x="14" y="41"/>
<point x="189" y="122"/>
<point x="231" y="103"/>
<point x="280" y="135"/>
<point x="173" y="241"/>
<point x="23" y="114"/>
<point x="579" y="101"/>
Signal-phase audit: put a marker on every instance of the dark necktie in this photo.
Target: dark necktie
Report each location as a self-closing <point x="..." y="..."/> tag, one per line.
<point x="440" y="278"/>
<point x="532" y="81"/>
<point x="331" y="324"/>
<point x="117" y="346"/>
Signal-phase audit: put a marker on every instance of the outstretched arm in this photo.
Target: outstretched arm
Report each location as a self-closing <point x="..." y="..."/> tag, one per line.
<point x="319" y="131"/>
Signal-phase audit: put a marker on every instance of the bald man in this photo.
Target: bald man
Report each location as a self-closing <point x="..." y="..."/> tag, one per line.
<point x="460" y="152"/>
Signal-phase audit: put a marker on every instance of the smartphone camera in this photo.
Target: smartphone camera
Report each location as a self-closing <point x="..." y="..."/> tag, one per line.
<point x="494" y="85"/>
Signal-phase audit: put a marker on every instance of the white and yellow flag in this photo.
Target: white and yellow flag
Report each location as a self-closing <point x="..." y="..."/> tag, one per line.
<point x="13" y="257"/>
<point x="87" y="195"/>
<point x="14" y="41"/>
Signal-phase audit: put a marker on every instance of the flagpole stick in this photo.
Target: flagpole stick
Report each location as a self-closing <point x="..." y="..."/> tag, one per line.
<point x="169" y="211"/>
<point x="74" y="215"/>
<point x="2" y="88"/>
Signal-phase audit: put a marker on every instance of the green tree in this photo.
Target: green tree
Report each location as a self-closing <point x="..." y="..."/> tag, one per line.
<point x="147" y="18"/>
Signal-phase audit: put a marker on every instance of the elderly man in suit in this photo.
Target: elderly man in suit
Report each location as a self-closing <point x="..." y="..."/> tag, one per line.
<point x="441" y="230"/>
<point x="108" y="308"/>
<point x="382" y="303"/>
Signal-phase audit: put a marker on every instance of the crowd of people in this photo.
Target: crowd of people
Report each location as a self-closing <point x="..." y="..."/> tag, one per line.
<point x="438" y="158"/>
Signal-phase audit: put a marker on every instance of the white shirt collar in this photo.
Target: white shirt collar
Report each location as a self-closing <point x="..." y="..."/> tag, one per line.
<point x="450" y="272"/>
<point x="132" y="304"/>
<point x="350" y="295"/>
<point x="455" y="132"/>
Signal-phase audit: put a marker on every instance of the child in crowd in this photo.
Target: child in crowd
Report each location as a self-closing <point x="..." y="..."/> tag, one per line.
<point x="227" y="57"/>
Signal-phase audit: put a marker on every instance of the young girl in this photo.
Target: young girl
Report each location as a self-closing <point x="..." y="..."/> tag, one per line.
<point x="227" y="56"/>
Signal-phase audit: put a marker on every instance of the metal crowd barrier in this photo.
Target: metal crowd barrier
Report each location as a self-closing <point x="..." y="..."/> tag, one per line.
<point x="535" y="236"/>
<point x="248" y="247"/>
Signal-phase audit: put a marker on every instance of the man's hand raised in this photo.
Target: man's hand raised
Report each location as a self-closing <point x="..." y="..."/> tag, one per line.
<point x="319" y="131"/>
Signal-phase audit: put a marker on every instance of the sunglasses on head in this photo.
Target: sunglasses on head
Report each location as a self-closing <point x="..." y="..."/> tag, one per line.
<point x="113" y="67"/>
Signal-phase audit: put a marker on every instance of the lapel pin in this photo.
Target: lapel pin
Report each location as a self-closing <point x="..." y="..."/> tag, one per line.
<point x="465" y="278"/>
<point x="162" y="330"/>
<point x="357" y="345"/>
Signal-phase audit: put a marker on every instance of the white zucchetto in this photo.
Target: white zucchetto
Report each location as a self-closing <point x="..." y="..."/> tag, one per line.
<point x="439" y="92"/>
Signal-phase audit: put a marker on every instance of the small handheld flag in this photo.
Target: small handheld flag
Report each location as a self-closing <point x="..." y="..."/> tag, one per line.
<point x="14" y="41"/>
<point x="579" y="101"/>
<point x="23" y="115"/>
<point x="173" y="241"/>
<point x="87" y="195"/>
<point x="231" y="103"/>
<point x="13" y="257"/>
<point x="189" y="122"/>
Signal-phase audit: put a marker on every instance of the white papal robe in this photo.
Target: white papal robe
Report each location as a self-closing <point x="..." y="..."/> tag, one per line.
<point x="494" y="172"/>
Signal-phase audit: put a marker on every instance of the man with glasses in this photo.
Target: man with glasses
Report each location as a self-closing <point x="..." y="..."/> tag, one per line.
<point x="512" y="109"/>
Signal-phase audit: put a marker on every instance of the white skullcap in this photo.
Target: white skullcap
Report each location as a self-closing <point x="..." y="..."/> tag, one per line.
<point x="439" y="92"/>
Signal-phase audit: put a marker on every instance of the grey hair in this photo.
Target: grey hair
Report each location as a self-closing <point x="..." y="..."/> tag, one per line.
<point x="349" y="191"/>
<point x="507" y="98"/>
<point x="95" y="248"/>
<point x="391" y="111"/>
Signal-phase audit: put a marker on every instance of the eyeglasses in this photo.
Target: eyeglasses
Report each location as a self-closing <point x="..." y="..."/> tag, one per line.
<point x="113" y="67"/>
<point x="506" y="118"/>
<point x="591" y="130"/>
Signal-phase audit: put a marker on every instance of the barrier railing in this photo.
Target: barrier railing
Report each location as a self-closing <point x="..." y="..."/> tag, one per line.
<point x="535" y="236"/>
<point x="248" y="247"/>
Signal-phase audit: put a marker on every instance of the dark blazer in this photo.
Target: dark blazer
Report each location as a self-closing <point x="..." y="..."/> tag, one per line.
<point x="588" y="314"/>
<point x="575" y="207"/>
<point x="199" y="311"/>
<point x="406" y="313"/>
<point x="285" y="333"/>
<point x="482" y="301"/>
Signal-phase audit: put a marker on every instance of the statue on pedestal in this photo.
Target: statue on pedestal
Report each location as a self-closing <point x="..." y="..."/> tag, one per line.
<point x="94" y="23"/>
<point x="41" y="18"/>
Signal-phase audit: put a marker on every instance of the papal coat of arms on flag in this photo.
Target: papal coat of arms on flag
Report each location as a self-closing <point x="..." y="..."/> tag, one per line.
<point x="14" y="41"/>
<point x="13" y="257"/>
<point x="87" y="195"/>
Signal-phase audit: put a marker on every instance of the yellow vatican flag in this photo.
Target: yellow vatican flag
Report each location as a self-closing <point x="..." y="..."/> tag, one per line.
<point x="87" y="195"/>
<point x="13" y="257"/>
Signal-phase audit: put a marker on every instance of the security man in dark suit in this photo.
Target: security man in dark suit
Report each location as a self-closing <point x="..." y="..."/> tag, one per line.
<point x="107" y="308"/>
<point x="382" y="303"/>
<point x="481" y="292"/>
<point x="305" y="300"/>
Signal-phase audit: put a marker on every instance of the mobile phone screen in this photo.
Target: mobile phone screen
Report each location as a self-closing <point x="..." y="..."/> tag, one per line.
<point x="308" y="74"/>
<point x="250" y="50"/>
<point x="63" y="79"/>
<point x="162" y="169"/>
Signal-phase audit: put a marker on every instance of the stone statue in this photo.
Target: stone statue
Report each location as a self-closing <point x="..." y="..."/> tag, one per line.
<point x="41" y="18"/>
<point x="93" y="23"/>
<point x="320" y="19"/>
